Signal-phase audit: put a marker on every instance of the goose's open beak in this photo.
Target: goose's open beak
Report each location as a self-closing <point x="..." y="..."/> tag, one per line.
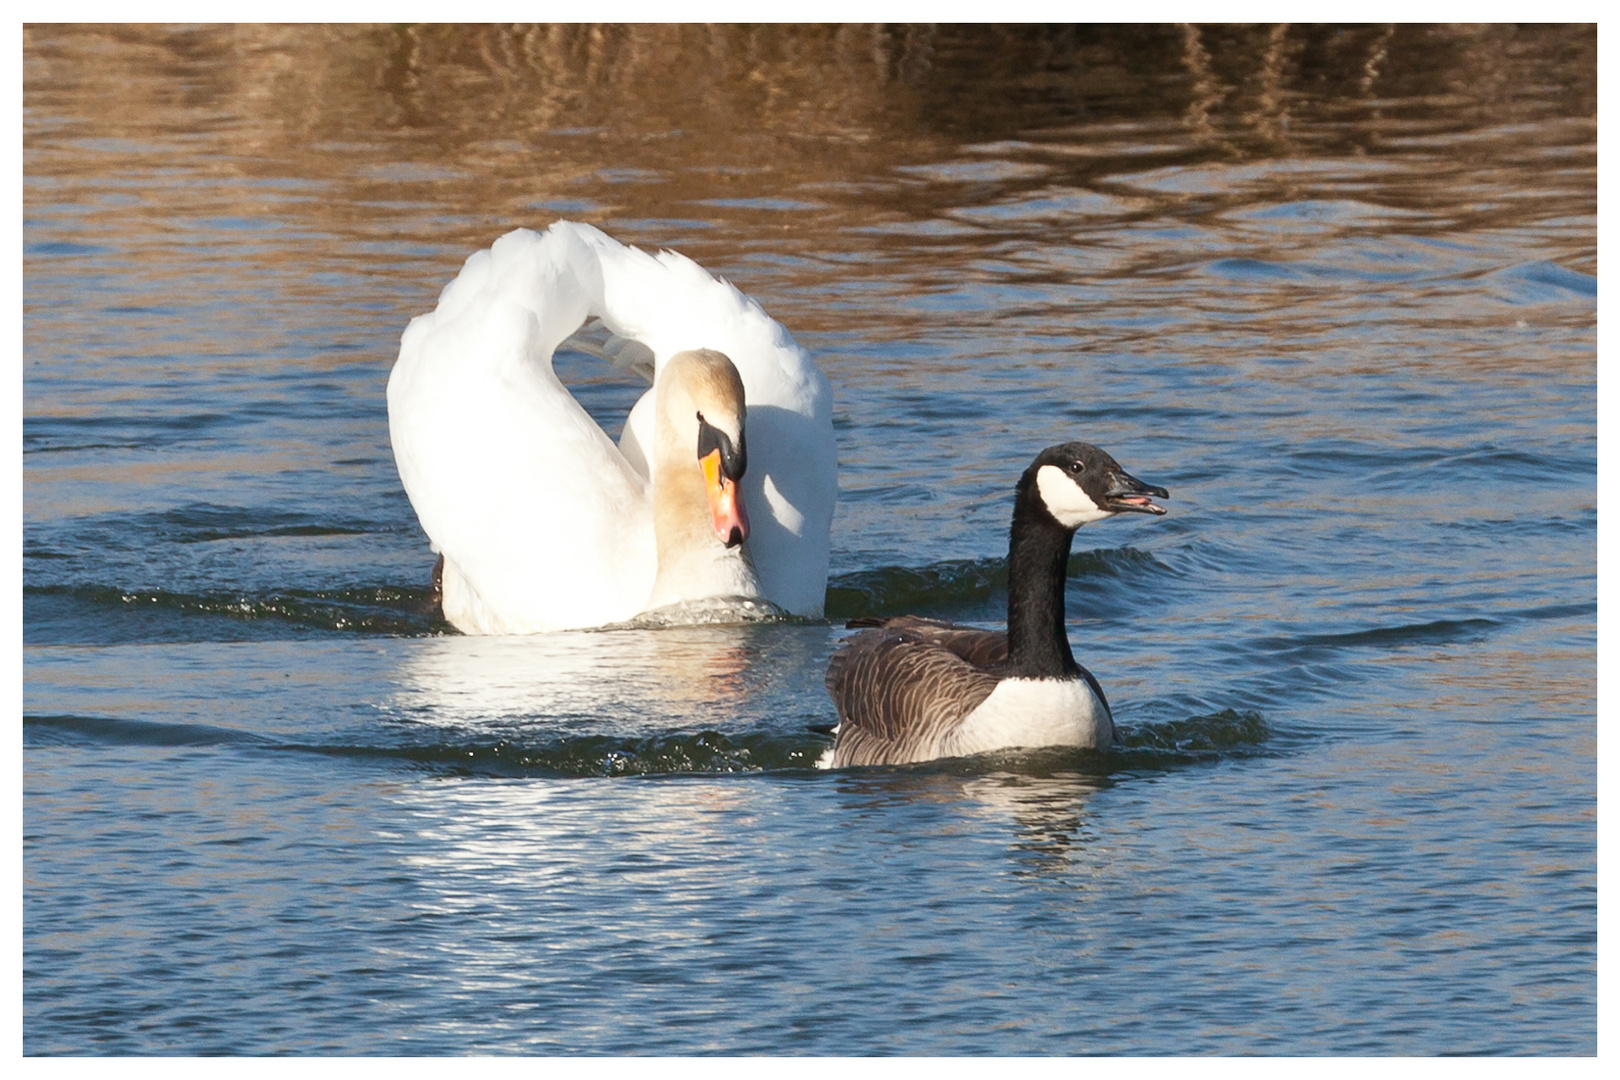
<point x="1126" y="492"/>
<point x="725" y="502"/>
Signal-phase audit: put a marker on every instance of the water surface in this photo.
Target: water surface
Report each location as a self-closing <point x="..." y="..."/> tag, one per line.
<point x="1334" y="288"/>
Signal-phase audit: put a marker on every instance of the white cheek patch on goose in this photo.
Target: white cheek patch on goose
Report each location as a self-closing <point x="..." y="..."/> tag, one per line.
<point x="1066" y="499"/>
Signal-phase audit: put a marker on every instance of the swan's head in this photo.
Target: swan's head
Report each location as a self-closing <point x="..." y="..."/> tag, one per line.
<point x="1076" y="483"/>
<point x="701" y="405"/>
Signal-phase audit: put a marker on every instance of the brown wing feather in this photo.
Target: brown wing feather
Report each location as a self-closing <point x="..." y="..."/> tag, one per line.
<point x="901" y="687"/>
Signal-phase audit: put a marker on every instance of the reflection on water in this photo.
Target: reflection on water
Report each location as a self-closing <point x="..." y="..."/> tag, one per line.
<point x="679" y="699"/>
<point x="666" y="678"/>
<point x="696" y="895"/>
<point x="1047" y="813"/>
<point x="454" y="134"/>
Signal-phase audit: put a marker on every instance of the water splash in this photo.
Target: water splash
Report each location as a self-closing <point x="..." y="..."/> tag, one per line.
<point x="161" y="614"/>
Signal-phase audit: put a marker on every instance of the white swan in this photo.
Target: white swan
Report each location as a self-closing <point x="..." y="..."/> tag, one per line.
<point x="544" y="524"/>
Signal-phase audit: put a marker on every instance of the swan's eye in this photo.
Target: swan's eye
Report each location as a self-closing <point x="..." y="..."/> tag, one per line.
<point x="733" y="455"/>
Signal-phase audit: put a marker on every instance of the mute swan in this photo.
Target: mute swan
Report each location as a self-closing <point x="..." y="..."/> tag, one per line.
<point x="542" y="522"/>
<point x="915" y="689"/>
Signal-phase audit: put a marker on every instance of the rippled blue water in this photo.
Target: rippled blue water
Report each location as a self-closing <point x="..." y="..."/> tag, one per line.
<point x="1333" y="288"/>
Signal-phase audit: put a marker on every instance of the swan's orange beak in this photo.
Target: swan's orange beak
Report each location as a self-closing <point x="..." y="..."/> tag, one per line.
<point x="725" y="502"/>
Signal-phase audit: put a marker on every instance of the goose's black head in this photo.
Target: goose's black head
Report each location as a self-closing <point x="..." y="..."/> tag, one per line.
<point x="1076" y="483"/>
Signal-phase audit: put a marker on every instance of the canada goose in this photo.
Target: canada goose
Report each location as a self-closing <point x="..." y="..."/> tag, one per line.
<point x="541" y="521"/>
<point x="913" y="689"/>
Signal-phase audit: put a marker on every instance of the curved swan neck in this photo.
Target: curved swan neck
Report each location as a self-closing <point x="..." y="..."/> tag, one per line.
<point x="680" y="517"/>
<point x="1037" y="570"/>
<point x="692" y="561"/>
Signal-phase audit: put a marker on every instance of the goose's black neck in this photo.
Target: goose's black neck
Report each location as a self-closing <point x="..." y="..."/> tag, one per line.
<point x="1037" y="568"/>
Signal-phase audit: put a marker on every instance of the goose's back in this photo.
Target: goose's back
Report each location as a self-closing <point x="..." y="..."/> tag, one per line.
<point x="904" y="688"/>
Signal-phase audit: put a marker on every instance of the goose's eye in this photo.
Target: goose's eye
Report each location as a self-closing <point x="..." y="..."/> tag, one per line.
<point x="1077" y="467"/>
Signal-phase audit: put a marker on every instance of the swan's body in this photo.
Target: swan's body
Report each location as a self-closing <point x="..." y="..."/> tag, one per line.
<point x="543" y="522"/>
<point x="913" y="689"/>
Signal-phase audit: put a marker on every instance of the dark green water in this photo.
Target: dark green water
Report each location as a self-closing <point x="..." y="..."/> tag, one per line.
<point x="1334" y="288"/>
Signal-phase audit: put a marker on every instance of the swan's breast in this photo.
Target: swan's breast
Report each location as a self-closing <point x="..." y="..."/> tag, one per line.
<point x="1032" y="713"/>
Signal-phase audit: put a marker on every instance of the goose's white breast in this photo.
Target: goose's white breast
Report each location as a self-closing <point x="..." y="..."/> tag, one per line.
<point x="1035" y="712"/>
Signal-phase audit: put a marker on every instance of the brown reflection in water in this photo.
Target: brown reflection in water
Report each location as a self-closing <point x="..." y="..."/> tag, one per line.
<point x="490" y="123"/>
<point x="1377" y="53"/>
<point x="1480" y="681"/>
<point x="799" y="160"/>
<point x="1206" y="92"/>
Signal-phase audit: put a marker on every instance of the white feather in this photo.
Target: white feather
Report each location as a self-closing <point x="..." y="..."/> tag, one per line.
<point x="1066" y="499"/>
<point x="546" y="523"/>
<point x="1034" y="713"/>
